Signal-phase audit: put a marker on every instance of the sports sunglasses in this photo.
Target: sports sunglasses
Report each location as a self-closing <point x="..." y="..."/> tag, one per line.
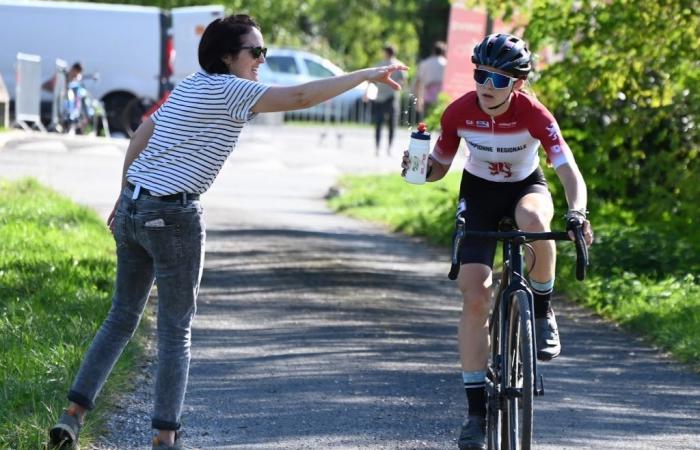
<point x="498" y="80"/>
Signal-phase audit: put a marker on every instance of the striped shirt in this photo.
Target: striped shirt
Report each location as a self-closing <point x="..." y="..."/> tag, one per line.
<point x="196" y="129"/>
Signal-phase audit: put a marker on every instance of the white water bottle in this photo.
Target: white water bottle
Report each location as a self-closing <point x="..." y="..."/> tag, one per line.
<point x="418" y="151"/>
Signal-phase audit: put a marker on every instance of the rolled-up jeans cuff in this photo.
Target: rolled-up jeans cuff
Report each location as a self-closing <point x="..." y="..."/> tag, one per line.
<point x="164" y="425"/>
<point x="80" y="399"/>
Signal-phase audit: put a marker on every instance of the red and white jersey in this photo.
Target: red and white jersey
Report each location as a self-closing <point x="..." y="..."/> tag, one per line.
<point x="502" y="148"/>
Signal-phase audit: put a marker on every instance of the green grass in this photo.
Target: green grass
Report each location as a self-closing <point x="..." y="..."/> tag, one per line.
<point x="420" y="210"/>
<point x="57" y="269"/>
<point x="641" y="274"/>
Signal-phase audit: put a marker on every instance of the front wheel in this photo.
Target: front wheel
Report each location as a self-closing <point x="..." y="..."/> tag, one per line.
<point x="518" y="374"/>
<point x="494" y="376"/>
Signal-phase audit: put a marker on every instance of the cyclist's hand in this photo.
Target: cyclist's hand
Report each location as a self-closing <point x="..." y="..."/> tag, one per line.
<point x="587" y="232"/>
<point x="404" y="163"/>
<point x="575" y="220"/>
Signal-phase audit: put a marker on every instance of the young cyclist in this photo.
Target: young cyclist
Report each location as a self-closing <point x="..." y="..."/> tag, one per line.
<point x="503" y="128"/>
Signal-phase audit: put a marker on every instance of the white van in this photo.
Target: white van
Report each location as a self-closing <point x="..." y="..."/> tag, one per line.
<point x="130" y="47"/>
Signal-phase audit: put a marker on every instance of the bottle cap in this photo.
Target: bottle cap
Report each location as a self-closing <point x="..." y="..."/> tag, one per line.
<point x="421" y="133"/>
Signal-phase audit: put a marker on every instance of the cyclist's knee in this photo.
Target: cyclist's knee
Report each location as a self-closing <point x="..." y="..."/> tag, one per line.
<point x="476" y="301"/>
<point x="532" y="220"/>
<point x="475" y="285"/>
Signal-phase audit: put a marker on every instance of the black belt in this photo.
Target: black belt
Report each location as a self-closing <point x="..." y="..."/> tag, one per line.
<point x="183" y="197"/>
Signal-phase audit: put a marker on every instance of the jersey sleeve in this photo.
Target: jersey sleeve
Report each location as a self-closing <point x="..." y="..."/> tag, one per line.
<point x="447" y="144"/>
<point x="545" y="128"/>
<point x="241" y="95"/>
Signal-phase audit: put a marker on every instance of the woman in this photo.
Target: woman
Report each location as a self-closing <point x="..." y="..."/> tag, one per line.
<point x="172" y="159"/>
<point x="503" y="127"/>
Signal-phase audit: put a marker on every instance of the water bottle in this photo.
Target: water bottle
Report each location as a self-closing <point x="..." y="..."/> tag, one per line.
<point x="418" y="151"/>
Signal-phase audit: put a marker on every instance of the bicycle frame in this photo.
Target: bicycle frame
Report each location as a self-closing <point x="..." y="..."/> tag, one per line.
<point x="512" y="378"/>
<point x="504" y="429"/>
<point x="515" y="281"/>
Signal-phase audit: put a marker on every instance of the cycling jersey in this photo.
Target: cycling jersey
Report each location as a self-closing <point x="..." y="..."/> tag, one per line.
<point x="502" y="148"/>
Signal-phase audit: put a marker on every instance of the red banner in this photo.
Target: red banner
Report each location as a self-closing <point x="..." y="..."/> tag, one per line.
<point x="467" y="28"/>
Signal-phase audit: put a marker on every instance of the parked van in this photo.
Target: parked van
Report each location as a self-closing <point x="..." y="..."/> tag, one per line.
<point x="130" y="47"/>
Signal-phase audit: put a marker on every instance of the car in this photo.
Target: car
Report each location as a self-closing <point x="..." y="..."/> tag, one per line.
<point x="286" y="66"/>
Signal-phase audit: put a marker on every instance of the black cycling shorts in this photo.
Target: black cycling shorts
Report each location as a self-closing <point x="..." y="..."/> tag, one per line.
<point x="487" y="203"/>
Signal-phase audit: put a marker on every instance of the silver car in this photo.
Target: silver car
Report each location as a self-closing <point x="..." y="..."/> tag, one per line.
<point x="284" y="67"/>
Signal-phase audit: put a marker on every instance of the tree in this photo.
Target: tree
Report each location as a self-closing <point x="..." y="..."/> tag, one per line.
<point x="626" y="92"/>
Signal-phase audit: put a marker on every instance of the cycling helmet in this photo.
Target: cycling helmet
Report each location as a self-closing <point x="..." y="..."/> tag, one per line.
<point x="505" y="52"/>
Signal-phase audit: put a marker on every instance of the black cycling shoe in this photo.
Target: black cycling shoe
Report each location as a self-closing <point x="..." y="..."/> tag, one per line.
<point x="472" y="436"/>
<point x="548" y="345"/>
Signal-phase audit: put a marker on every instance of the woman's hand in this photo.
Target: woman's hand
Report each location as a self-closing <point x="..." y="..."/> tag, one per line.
<point x="110" y="219"/>
<point x="383" y="75"/>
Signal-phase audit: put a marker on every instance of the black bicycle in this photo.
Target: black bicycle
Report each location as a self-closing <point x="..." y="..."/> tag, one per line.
<point x="511" y="375"/>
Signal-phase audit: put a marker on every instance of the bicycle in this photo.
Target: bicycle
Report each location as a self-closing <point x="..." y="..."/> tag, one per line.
<point x="511" y="374"/>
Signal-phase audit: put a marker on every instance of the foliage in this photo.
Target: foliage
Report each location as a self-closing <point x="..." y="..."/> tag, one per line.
<point x="425" y="210"/>
<point x="432" y="120"/>
<point x="349" y="33"/>
<point x="56" y="275"/>
<point x="666" y="311"/>
<point x="626" y="92"/>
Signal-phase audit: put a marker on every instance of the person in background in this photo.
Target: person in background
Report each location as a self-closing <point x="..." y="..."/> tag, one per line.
<point x="74" y="74"/>
<point x="172" y="159"/>
<point x="386" y="102"/>
<point x="428" y="85"/>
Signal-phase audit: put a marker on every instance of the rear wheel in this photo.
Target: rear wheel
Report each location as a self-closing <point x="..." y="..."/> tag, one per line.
<point x="133" y="114"/>
<point x="114" y="105"/>
<point x="518" y="373"/>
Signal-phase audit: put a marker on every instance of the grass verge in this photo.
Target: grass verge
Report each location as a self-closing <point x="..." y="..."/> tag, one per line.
<point x="641" y="275"/>
<point x="57" y="269"/>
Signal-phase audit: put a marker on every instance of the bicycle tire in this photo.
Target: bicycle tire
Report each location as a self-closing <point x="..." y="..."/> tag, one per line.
<point x="518" y="374"/>
<point x="494" y="422"/>
<point x="133" y="113"/>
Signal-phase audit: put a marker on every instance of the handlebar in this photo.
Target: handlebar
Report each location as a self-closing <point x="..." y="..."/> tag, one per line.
<point x="460" y="233"/>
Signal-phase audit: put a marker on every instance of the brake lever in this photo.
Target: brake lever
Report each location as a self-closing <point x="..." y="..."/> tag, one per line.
<point x="581" y="253"/>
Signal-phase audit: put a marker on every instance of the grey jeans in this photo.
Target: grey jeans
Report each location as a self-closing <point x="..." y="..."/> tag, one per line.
<point x="162" y="241"/>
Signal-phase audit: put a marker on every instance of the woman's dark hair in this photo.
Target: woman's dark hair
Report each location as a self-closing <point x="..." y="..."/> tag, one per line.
<point x="223" y="37"/>
<point x="439" y="48"/>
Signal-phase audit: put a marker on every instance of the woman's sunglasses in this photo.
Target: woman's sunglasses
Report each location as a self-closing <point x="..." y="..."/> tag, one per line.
<point x="499" y="81"/>
<point x="256" y="51"/>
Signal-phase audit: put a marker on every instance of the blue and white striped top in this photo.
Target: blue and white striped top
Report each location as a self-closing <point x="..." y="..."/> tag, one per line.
<point x="195" y="131"/>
